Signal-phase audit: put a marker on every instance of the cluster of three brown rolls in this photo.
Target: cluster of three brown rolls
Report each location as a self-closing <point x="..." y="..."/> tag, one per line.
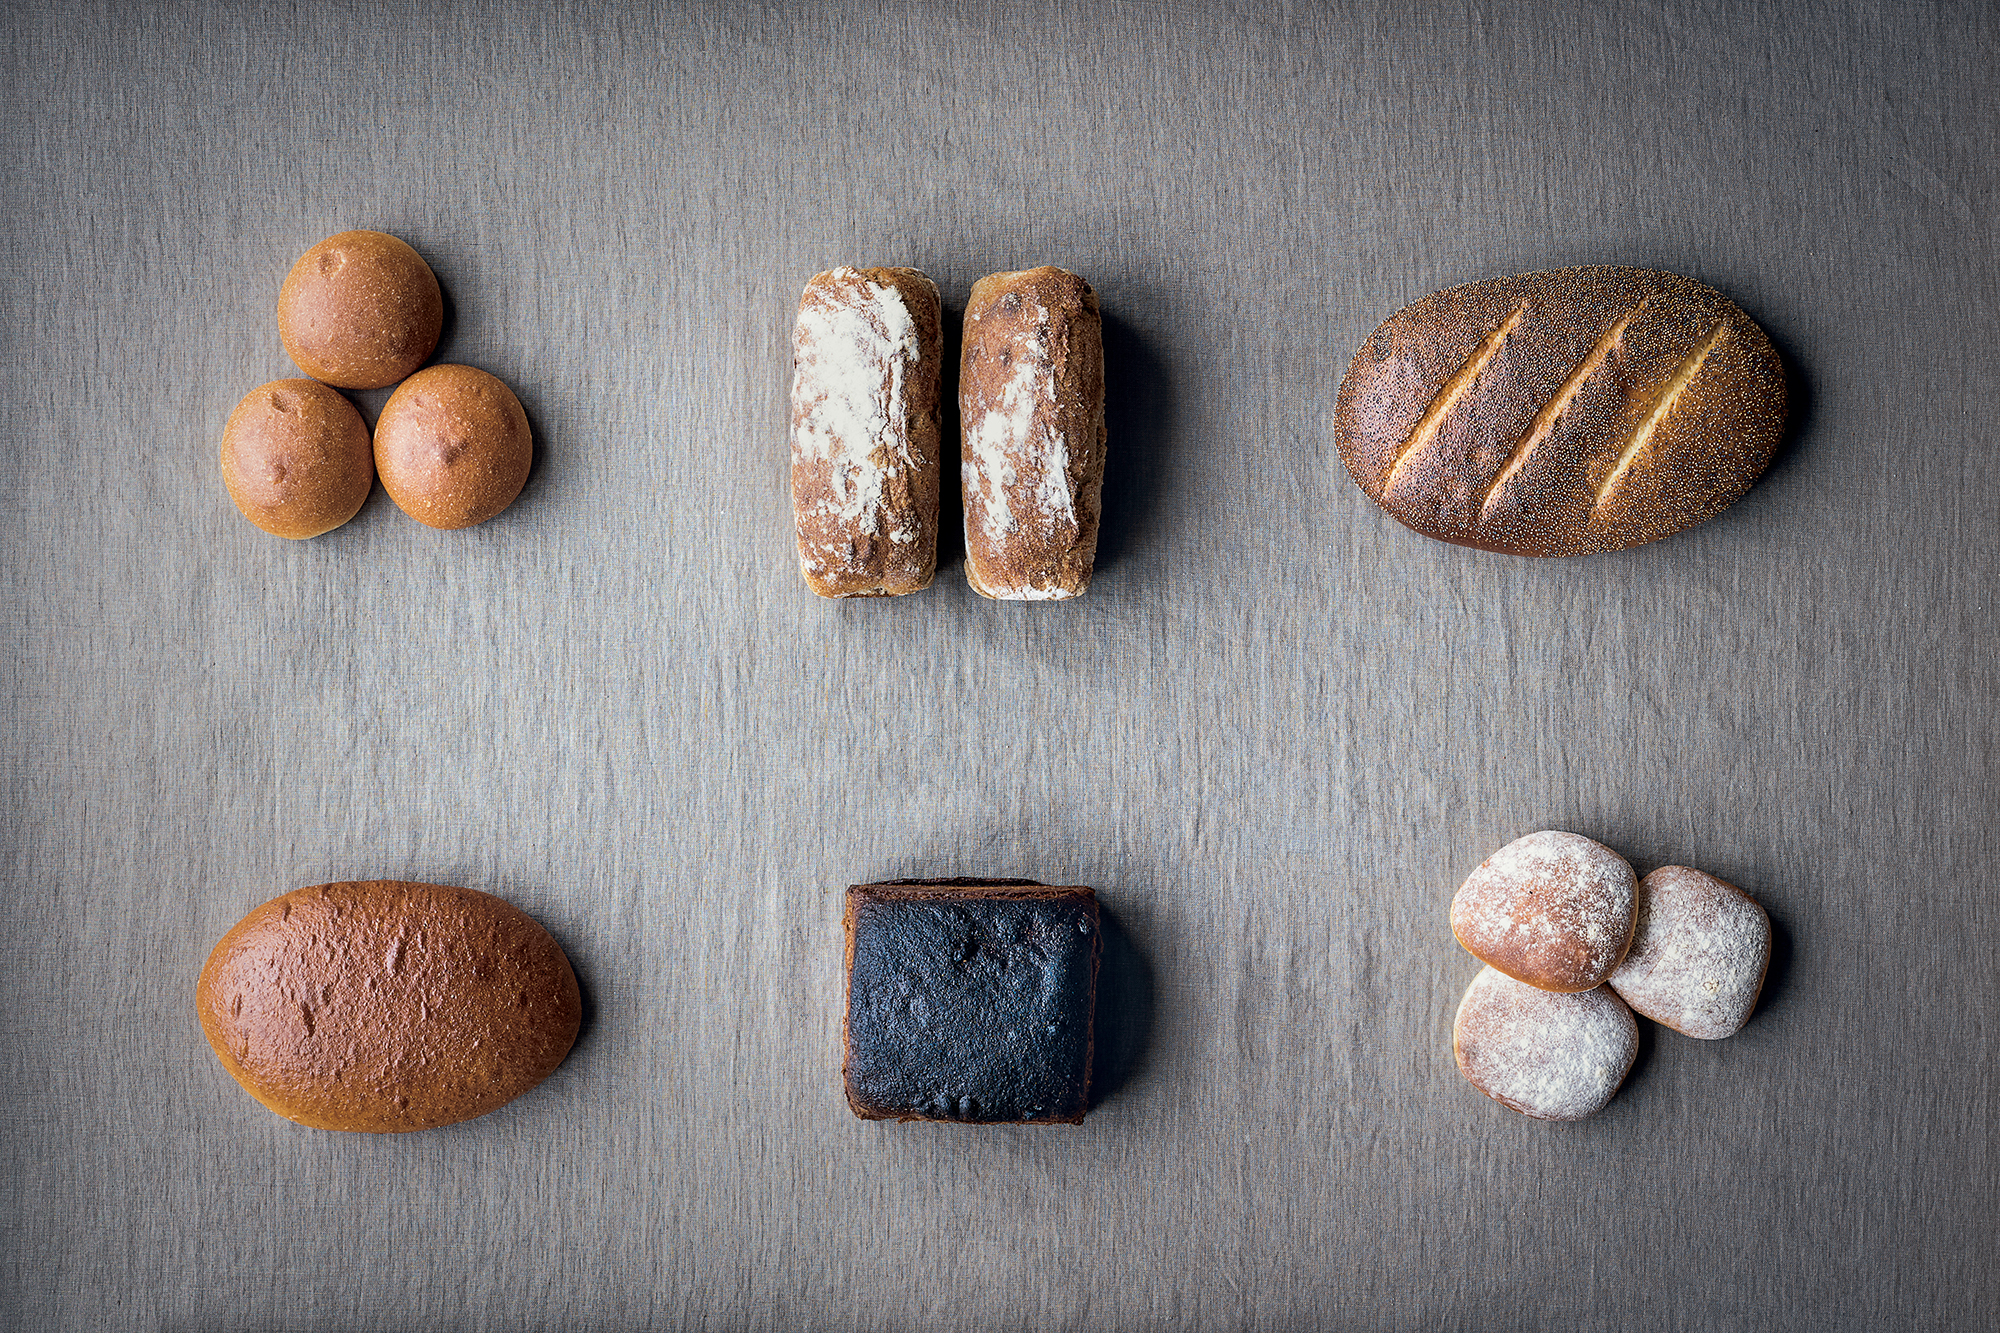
<point x="867" y="354"/>
<point x="362" y="310"/>
<point x="1571" y="936"/>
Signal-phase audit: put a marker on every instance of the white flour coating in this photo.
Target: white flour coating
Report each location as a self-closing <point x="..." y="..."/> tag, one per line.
<point x="1005" y="447"/>
<point x="1698" y="956"/>
<point x="1548" y="1055"/>
<point x="1551" y="908"/>
<point x="852" y="350"/>
<point x="1031" y="593"/>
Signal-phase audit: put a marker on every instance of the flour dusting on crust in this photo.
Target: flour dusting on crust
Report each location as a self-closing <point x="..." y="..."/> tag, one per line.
<point x="1552" y="909"/>
<point x="1031" y="395"/>
<point x="1699" y="953"/>
<point x="1011" y="453"/>
<point x="1545" y="1054"/>
<point x="854" y="350"/>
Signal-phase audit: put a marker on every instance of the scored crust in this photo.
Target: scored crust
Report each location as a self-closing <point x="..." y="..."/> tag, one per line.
<point x="1562" y="413"/>
<point x="1031" y="404"/>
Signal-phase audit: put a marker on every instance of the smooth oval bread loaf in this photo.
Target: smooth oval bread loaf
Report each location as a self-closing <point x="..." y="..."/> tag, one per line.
<point x="1562" y="413"/>
<point x="1031" y="406"/>
<point x="361" y="310"/>
<point x="453" y="446"/>
<point x="867" y="362"/>
<point x="384" y="1006"/>
<point x="296" y="458"/>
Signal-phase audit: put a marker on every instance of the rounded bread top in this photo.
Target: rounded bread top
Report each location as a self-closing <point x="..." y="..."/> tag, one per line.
<point x="384" y="1006"/>
<point x="453" y="446"/>
<point x="296" y="458"/>
<point x="360" y="310"/>
<point x="1700" y="949"/>
<point x="1546" y="1054"/>
<point x="1551" y="909"/>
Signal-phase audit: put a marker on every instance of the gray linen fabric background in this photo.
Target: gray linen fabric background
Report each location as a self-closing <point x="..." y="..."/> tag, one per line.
<point x="1275" y="735"/>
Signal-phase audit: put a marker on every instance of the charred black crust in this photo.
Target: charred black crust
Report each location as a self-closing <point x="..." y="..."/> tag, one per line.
<point x="970" y="1000"/>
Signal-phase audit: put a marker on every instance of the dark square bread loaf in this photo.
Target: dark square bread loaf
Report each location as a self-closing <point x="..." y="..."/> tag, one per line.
<point x="970" y="1001"/>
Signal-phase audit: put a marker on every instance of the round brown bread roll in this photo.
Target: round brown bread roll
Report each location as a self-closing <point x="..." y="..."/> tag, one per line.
<point x="296" y="459"/>
<point x="1543" y="1053"/>
<point x="382" y="1006"/>
<point x="453" y="446"/>
<point x="361" y="310"/>
<point x="1552" y="909"/>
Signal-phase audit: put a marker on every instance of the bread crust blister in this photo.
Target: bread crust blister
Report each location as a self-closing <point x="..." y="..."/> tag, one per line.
<point x="1031" y="403"/>
<point x="381" y="1006"/>
<point x="1562" y="413"/>
<point x="867" y="355"/>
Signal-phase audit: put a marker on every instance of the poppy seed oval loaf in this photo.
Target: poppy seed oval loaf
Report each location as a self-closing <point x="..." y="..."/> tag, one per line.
<point x="1562" y="413"/>
<point x="383" y="1006"/>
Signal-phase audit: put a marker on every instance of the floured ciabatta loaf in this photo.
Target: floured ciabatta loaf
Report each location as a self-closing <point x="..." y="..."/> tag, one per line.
<point x="1031" y="396"/>
<point x="1562" y="413"/>
<point x="866" y="355"/>
<point x="1699" y="953"/>
<point x="1546" y="1054"/>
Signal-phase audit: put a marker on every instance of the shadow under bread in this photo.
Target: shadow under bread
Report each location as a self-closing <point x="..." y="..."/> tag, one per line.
<point x="1138" y="447"/>
<point x="1122" y="1027"/>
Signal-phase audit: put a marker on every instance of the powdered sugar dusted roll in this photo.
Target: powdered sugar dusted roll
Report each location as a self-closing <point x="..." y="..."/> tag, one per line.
<point x="1031" y="396"/>
<point x="866" y="355"/>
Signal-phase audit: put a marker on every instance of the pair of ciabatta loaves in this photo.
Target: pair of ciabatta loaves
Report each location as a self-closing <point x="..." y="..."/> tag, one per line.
<point x="867" y="360"/>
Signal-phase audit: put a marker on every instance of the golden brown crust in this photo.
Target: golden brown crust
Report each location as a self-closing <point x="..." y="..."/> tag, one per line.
<point x="361" y="310"/>
<point x="867" y="360"/>
<point x="1562" y="413"/>
<point x="296" y="458"/>
<point x="1031" y="403"/>
<point x="381" y="1006"/>
<point x="453" y="446"/>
